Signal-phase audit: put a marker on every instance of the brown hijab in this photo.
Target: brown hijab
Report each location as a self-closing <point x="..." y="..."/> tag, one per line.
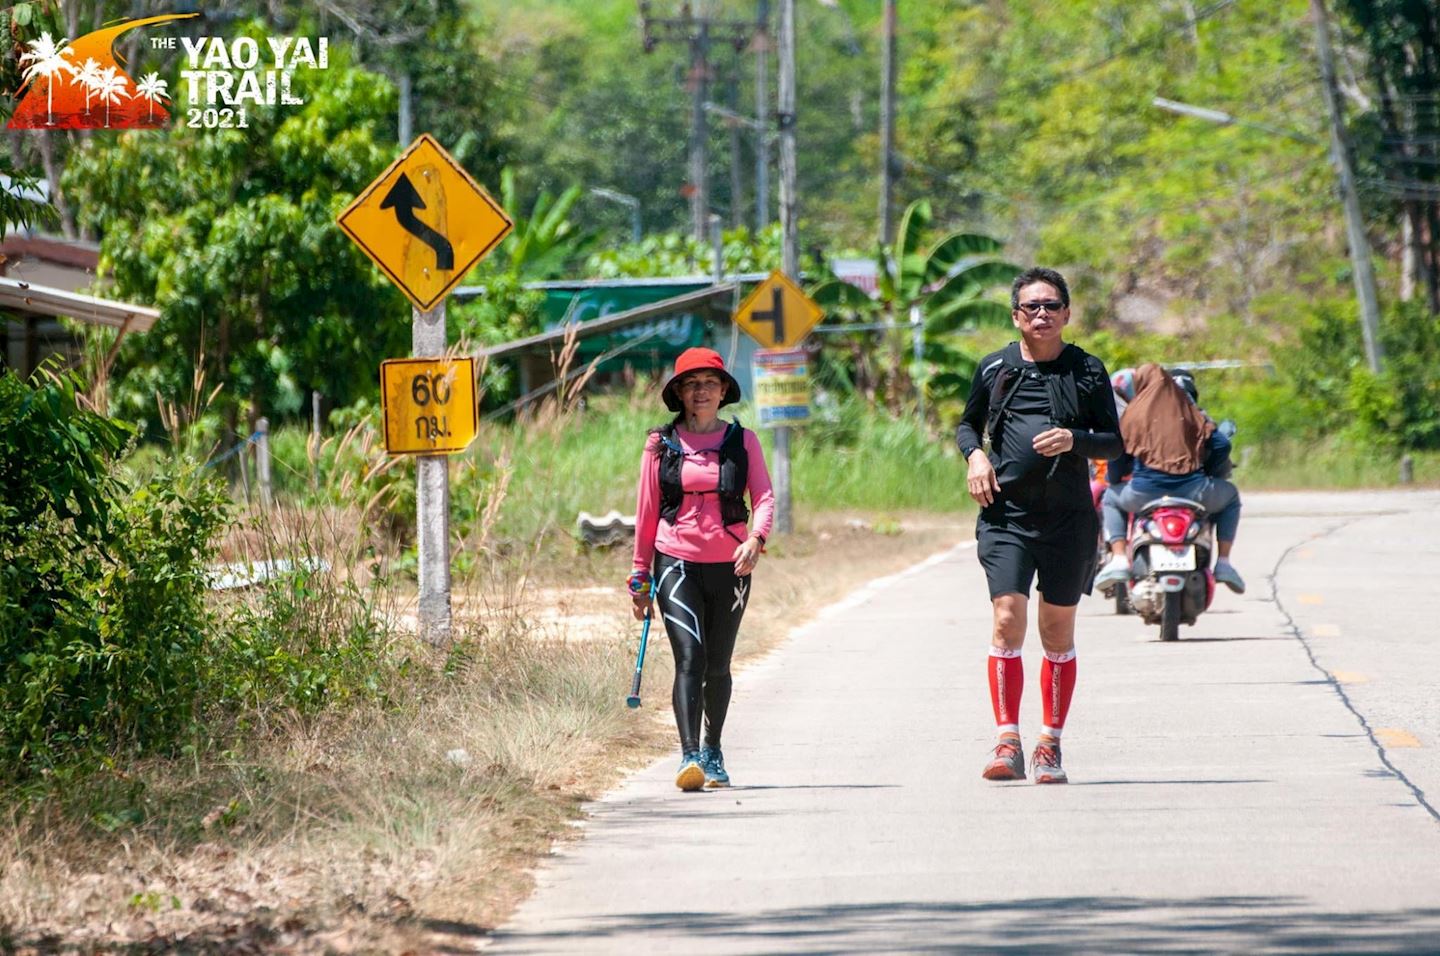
<point x="1162" y="428"/>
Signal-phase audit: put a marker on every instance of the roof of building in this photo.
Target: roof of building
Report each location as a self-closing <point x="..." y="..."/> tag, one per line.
<point x="45" y="300"/>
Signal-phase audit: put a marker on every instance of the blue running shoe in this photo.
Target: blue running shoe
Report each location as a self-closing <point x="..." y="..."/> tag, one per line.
<point x="1226" y="574"/>
<point x="690" y="776"/>
<point x="712" y="761"/>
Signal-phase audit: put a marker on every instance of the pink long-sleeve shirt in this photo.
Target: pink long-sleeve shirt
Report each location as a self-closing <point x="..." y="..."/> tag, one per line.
<point x="698" y="532"/>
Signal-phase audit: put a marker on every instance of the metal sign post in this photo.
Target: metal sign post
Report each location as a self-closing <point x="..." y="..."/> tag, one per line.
<point x="426" y="223"/>
<point x="790" y="243"/>
<point x="778" y="315"/>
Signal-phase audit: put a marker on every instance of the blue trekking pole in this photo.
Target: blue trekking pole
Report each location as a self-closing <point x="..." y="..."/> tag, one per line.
<point x="633" y="700"/>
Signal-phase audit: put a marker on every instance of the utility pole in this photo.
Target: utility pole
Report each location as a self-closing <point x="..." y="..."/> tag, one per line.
<point x="790" y="256"/>
<point x="887" y="127"/>
<point x="698" y="33"/>
<point x="699" y="85"/>
<point x="785" y="119"/>
<point x="737" y="207"/>
<point x="1361" y="266"/>
<point x="762" y="113"/>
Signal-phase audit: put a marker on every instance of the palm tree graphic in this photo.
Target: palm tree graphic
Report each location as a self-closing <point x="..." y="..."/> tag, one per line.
<point x="110" y="89"/>
<point x="46" y="58"/>
<point x="88" y="76"/>
<point x="153" y="89"/>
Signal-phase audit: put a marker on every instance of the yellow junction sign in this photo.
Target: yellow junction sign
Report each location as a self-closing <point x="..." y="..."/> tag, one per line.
<point x="777" y="314"/>
<point x="429" y="405"/>
<point x="425" y="222"/>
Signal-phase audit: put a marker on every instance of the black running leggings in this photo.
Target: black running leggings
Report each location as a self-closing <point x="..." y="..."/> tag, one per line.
<point x="701" y="604"/>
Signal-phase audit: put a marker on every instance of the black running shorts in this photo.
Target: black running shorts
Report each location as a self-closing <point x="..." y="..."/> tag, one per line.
<point x="1059" y="547"/>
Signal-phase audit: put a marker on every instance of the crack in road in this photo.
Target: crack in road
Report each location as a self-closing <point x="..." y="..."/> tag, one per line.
<point x="1330" y="678"/>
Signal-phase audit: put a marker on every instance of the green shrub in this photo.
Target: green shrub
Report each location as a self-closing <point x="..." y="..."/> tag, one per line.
<point x="102" y="586"/>
<point x="306" y="641"/>
<point x="1396" y="409"/>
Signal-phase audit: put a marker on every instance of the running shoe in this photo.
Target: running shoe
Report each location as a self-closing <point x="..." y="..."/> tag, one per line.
<point x="690" y="776"/>
<point x="712" y="761"/>
<point x="1226" y="574"/>
<point x="1116" y="571"/>
<point x="1007" y="762"/>
<point x="1045" y="763"/>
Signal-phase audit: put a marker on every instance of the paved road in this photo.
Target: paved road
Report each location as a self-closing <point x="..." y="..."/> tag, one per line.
<point x="1268" y="783"/>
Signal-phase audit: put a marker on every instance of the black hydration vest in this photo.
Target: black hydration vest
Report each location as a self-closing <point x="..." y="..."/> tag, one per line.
<point x="734" y="467"/>
<point x="1060" y="387"/>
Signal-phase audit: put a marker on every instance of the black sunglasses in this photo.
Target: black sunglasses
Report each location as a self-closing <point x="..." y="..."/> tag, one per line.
<point x="1049" y="305"/>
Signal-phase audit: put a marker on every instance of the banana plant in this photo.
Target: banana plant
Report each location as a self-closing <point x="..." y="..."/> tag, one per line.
<point x="545" y="241"/>
<point x="948" y="284"/>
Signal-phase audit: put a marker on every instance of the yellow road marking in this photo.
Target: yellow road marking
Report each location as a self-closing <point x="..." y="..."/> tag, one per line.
<point x="1351" y="677"/>
<point x="1311" y="599"/>
<point x="1325" y="630"/>
<point x="1395" y="737"/>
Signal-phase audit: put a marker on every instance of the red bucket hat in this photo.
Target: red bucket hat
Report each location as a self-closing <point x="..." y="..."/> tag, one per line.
<point x="694" y="360"/>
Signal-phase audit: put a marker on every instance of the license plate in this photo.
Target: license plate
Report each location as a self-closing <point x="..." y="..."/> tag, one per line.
<point x="1172" y="559"/>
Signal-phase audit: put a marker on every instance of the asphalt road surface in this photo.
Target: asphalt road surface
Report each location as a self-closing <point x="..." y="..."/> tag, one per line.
<point x="1269" y="783"/>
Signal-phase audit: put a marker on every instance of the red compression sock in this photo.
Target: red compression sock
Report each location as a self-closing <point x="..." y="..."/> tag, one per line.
<point x="1007" y="681"/>
<point x="1057" y="685"/>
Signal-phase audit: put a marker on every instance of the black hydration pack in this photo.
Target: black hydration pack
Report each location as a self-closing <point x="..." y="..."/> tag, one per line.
<point x="734" y="467"/>
<point x="1060" y="386"/>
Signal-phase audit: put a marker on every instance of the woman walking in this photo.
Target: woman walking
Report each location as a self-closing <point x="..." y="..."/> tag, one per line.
<point x="695" y="542"/>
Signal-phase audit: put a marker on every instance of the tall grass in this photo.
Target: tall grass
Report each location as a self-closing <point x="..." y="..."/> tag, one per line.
<point x="853" y="457"/>
<point x="1328" y="463"/>
<point x="857" y="457"/>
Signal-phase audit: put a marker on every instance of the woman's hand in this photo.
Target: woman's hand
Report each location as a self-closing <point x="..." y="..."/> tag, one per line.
<point x="641" y="593"/>
<point x="746" y="555"/>
<point x="980" y="479"/>
<point x="640" y="605"/>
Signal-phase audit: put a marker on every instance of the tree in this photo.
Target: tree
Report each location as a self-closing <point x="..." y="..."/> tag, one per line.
<point x="48" y="58"/>
<point x="1403" y="42"/>
<point x="1036" y="118"/>
<point x="944" y="284"/>
<point x="545" y="241"/>
<point x="88" y="76"/>
<point x="153" y="89"/>
<point x="111" y="88"/>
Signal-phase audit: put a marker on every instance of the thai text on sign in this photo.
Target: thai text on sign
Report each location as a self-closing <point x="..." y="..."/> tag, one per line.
<point x="782" y="386"/>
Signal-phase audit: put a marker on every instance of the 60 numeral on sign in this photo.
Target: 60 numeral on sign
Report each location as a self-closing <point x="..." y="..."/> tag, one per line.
<point x="425" y="389"/>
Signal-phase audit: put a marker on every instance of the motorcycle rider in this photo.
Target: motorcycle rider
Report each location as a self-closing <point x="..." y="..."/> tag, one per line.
<point x="1173" y="448"/>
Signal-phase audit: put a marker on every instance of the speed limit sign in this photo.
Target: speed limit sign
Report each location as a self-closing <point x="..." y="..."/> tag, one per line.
<point x="429" y="405"/>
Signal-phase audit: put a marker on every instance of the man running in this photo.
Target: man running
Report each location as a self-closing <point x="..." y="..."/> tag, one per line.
<point x="1047" y="407"/>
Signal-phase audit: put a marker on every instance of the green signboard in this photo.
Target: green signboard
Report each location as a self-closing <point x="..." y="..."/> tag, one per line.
<point x="653" y="343"/>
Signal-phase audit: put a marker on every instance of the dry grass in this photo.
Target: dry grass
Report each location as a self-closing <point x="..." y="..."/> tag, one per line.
<point x="409" y="825"/>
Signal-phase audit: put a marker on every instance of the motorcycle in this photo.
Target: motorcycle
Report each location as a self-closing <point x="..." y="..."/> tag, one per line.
<point x="1170" y="544"/>
<point x="1118" y="592"/>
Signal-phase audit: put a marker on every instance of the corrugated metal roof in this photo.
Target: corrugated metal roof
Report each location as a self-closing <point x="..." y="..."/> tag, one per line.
<point x="44" y="300"/>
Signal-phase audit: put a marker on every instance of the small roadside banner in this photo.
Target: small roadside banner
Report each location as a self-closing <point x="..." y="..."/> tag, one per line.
<point x="782" y="387"/>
